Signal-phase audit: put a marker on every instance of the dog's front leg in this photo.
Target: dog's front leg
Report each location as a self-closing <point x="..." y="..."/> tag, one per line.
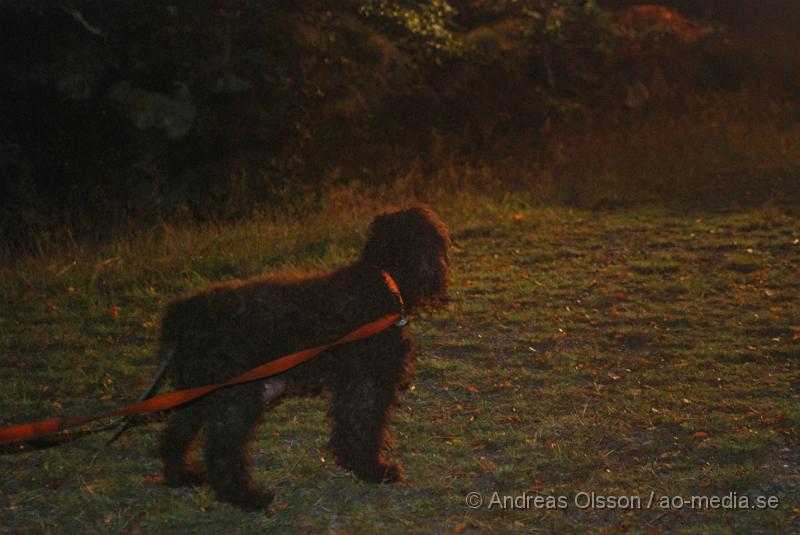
<point x="359" y="414"/>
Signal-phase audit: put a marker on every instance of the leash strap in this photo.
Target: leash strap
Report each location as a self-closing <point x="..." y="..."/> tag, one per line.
<point x="173" y="399"/>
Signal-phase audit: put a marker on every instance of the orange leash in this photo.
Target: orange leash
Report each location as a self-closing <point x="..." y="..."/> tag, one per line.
<point x="173" y="399"/>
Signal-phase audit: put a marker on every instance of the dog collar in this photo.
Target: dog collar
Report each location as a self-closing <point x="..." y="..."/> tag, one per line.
<point x="390" y="282"/>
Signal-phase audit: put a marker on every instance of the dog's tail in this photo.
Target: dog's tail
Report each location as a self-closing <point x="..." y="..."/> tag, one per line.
<point x="166" y="355"/>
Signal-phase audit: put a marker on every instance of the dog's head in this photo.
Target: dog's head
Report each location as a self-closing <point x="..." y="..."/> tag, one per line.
<point x="411" y="245"/>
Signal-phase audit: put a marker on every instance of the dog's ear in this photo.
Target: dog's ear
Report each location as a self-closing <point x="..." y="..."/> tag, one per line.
<point x="378" y="227"/>
<point x="378" y="237"/>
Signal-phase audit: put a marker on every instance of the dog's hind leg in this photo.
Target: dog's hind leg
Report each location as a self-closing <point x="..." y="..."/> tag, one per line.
<point x="176" y="442"/>
<point x="236" y="414"/>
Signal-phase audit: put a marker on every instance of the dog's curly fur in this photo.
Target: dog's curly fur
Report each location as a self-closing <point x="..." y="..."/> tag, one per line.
<point x="231" y="328"/>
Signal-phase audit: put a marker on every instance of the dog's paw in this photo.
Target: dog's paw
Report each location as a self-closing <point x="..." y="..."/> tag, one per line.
<point x="392" y="472"/>
<point x="184" y="476"/>
<point x="381" y="472"/>
<point x="250" y="499"/>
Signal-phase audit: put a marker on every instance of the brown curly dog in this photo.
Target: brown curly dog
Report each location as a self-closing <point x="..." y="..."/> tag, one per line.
<point x="234" y="327"/>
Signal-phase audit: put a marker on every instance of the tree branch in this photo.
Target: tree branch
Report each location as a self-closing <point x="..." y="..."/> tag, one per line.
<point x="78" y="16"/>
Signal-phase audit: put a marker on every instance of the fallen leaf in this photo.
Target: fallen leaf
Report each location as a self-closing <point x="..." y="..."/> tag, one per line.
<point x="479" y="446"/>
<point x="154" y="478"/>
<point x="458" y="528"/>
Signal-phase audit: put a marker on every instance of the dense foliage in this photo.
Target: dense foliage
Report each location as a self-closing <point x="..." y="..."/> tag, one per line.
<point x="117" y="113"/>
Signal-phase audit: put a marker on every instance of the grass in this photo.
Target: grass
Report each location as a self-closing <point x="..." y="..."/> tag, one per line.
<point x="635" y="352"/>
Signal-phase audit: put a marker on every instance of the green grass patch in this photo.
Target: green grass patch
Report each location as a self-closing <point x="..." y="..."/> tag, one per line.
<point x="630" y="352"/>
